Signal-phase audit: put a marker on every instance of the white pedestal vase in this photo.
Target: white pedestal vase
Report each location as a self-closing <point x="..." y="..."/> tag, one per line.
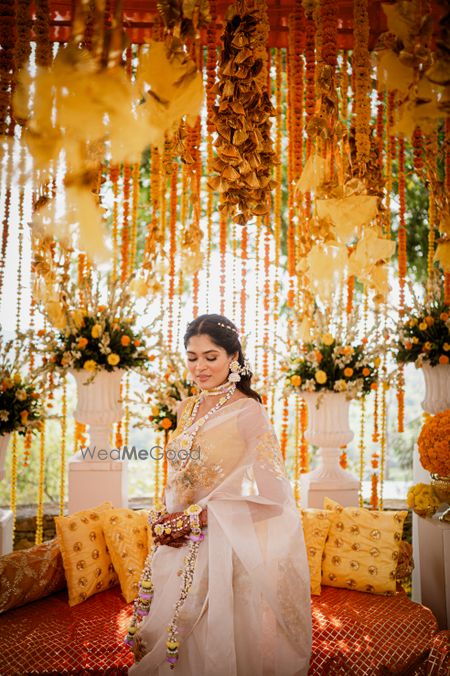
<point x="328" y="428"/>
<point x="437" y="388"/>
<point x="6" y="515"/>
<point x="93" y="476"/>
<point x="437" y="399"/>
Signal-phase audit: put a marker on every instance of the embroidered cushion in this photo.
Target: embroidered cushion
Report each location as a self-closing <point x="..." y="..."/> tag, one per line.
<point x="87" y="562"/>
<point x="362" y="548"/>
<point x="126" y="534"/>
<point x="316" y="524"/>
<point x="30" y="574"/>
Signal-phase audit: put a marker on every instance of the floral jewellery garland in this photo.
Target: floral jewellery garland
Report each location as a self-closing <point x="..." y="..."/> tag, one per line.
<point x="192" y="514"/>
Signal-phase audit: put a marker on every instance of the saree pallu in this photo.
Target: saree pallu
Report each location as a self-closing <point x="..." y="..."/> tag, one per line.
<point x="248" y="611"/>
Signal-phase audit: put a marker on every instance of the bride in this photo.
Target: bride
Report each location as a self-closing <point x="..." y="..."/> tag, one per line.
<point x="228" y="578"/>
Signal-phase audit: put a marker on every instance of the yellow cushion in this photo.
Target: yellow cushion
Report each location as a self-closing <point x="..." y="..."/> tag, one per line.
<point x="87" y="563"/>
<point x="126" y="534"/>
<point x="316" y="524"/>
<point x="362" y="548"/>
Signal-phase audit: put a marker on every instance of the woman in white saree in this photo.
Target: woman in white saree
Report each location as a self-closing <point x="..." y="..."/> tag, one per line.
<point x="231" y="599"/>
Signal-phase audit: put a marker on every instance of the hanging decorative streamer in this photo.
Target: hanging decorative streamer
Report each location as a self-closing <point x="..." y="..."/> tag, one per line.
<point x="284" y="428"/>
<point x="297" y="447"/>
<point x="266" y="307"/>
<point x="114" y="175"/>
<point x="135" y="176"/>
<point x="211" y="60"/>
<point x="125" y="243"/>
<point x="401" y="273"/>
<point x="223" y="250"/>
<point x="13" y="480"/>
<point x="243" y="294"/>
<point x="304" y="460"/>
<point x="362" y="448"/>
<point x="172" y="250"/>
<point x="447" y="187"/>
<point x="362" y="81"/>
<point x="41" y="481"/>
<point x="257" y="286"/>
<point x="63" y="442"/>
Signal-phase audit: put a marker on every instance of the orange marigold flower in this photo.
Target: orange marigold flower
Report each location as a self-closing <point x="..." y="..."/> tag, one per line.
<point x="374" y="386"/>
<point x="348" y="372"/>
<point x="166" y="423"/>
<point x="82" y="342"/>
<point x="137" y="342"/>
<point x="443" y="359"/>
<point x="444" y="316"/>
<point x="41" y="333"/>
<point x="366" y="372"/>
<point x="125" y="340"/>
<point x="429" y="320"/>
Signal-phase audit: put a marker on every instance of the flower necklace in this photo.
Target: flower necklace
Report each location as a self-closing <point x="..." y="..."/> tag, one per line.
<point x="183" y="441"/>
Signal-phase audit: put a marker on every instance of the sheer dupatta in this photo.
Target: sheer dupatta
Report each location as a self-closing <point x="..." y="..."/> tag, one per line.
<point x="248" y="611"/>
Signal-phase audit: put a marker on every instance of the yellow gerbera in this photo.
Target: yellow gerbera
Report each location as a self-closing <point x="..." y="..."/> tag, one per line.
<point x="113" y="359"/>
<point x="90" y="365"/>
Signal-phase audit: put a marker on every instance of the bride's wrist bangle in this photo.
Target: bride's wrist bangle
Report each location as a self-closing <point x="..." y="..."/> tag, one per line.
<point x="156" y="512"/>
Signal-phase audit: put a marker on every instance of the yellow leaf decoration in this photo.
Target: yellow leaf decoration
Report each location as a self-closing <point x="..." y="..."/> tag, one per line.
<point x="327" y="263"/>
<point x="348" y="213"/>
<point x="79" y="209"/>
<point x="392" y="73"/>
<point x="366" y="262"/>
<point x="313" y="174"/>
<point x="400" y="18"/>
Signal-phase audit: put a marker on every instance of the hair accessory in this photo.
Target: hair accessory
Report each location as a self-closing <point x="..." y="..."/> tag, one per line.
<point x="227" y="326"/>
<point x="237" y="370"/>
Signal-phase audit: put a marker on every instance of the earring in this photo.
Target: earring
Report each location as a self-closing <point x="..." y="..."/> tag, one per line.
<point x="234" y="375"/>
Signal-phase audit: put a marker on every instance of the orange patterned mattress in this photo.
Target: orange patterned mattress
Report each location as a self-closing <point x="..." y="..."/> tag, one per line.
<point x="355" y="634"/>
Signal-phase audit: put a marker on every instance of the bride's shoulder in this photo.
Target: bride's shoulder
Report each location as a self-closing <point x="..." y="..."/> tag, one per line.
<point x="183" y="403"/>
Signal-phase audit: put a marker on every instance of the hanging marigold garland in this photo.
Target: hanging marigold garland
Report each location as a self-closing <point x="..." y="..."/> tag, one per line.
<point x="13" y="480"/>
<point x="401" y="272"/>
<point x="114" y="174"/>
<point x="284" y="428"/>
<point x="63" y="442"/>
<point x="447" y="187"/>
<point x="297" y="446"/>
<point x="362" y="80"/>
<point x="172" y="250"/>
<point x="125" y="243"/>
<point x="40" y="491"/>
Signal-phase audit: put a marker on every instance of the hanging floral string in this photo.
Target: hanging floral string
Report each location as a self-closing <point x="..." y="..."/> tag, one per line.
<point x="40" y="491"/>
<point x="62" y="467"/>
<point x="114" y="174"/>
<point x="362" y="75"/>
<point x="223" y="249"/>
<point x="13" y="480"/>
<point x="401" y="273"/>
<point x="361" y="448"/>
<point x="125" y="243"/>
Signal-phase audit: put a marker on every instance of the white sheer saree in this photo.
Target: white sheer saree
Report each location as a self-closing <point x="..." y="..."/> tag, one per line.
<point x="248" y="610"/>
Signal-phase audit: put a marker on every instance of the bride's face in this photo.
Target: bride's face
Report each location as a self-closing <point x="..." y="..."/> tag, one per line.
<point x="208" y="363"/>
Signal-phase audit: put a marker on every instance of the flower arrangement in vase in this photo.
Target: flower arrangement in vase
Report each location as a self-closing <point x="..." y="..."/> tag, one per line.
<point x="168" y="388"/>
<point x="434" y="453"/>
<point x="91" y="336"/>
<point x="20" y="397"/>
<point x="424" y="334"/>
<point x="333" y="363"/>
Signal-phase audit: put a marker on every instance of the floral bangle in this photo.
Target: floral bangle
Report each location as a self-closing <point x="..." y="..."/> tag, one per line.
<point x="193" y="512"/>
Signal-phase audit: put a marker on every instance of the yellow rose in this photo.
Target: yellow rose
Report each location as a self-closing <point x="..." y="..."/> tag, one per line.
<point x="96" y="331"/>
<point x="296" y="381"/>
<point x="415" y="340"/>
<point x="427" y="345"/>
<point x="446" y="347"/>
<point x="327" y="339"/>
<point x="423" y="326"/>
<point x="155" y="411"/>
<point x="90" y="365"/>
<point x="321" y="377"/>
<point x="113" y="359"/>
